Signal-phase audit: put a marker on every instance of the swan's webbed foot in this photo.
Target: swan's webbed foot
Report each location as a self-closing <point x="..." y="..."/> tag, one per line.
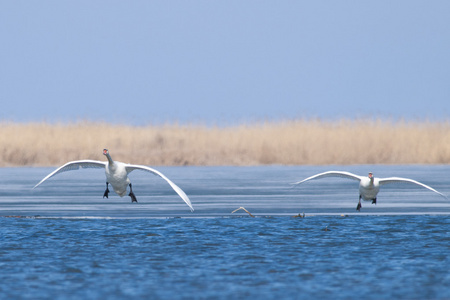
<point x="106" y="191"/>
<point x="374" y="201"/>
<point x="358" y="207"/>
<point x="132" y="195"/>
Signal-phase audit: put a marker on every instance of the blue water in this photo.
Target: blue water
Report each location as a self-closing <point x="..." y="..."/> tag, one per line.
<point x="64" y="241"/>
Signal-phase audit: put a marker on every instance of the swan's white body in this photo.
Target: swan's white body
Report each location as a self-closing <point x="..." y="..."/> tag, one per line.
<point x="369" y="186"/>
<point x="116" y="174"/>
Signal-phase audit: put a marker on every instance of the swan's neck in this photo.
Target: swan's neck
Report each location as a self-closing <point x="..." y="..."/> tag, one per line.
<point x="110" y="161"/>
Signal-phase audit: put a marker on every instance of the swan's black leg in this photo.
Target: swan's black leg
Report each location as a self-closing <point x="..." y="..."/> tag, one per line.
<point x="374" y="201"/>
<point x="358" y="207"/>
<point x="106" y="191"/>
<point x="131" y="194"/>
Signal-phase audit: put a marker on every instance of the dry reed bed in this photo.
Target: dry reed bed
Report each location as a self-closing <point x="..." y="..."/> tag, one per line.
<point x="291" y="143"/>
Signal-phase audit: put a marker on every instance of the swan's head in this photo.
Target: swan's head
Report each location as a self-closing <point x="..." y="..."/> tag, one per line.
<point x="370" y="174"/>
<point x="106" y="153"/>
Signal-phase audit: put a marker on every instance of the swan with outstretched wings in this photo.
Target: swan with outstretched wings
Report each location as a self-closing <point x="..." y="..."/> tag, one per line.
<point x="369" y="186"/>
<point x="116" y="175"/>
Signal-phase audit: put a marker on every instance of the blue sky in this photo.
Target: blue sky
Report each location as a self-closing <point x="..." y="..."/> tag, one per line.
<point x="223" y="62"/>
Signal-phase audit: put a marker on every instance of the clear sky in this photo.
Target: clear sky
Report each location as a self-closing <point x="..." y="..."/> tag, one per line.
<point x="223" y="62"/>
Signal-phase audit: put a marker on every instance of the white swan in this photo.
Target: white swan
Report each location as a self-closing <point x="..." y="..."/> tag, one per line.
<point x="368" y="186"/>
<point x="116" y="175"/>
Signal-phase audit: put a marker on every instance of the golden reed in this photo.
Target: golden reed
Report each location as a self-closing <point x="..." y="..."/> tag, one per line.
<point x="301" y="142"/>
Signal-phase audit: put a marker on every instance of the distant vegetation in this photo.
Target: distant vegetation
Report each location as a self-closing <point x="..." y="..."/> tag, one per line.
<point x="301" y="142"/>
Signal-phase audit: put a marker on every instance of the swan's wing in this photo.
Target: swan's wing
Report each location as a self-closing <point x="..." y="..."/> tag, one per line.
<point x="400" y="180"/>
<point x="331" y="174"/>
<point x="74" y="165"/>
<point x="179" y="191"/>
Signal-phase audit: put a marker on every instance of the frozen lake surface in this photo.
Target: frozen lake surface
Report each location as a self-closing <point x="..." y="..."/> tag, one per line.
<point x="64" y="241"/>
<point x="216" y="191"/>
